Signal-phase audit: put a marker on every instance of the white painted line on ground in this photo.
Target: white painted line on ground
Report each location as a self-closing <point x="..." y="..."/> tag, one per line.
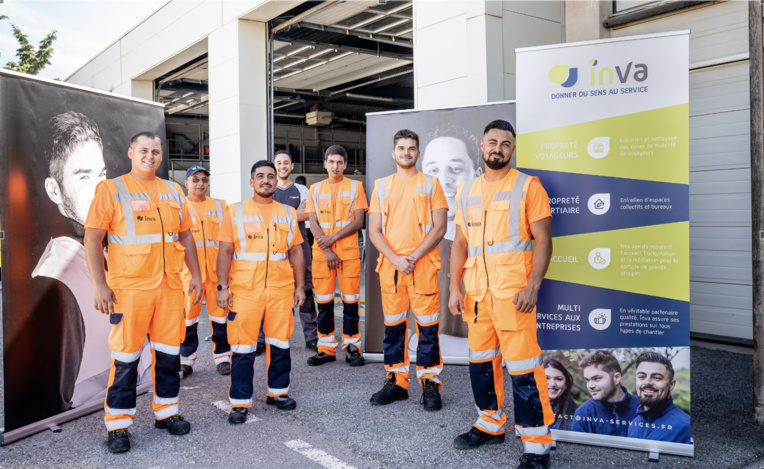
<point x="225" y="406"/>
<point x="190" y="387"/>
<point x="316" y="455"/>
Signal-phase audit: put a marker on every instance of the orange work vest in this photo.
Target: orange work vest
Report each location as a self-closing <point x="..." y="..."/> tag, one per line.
<point x="205" y="231"/>
<point x="422" y="202"/>
<point x="143" y="238"/>
<point x="260" y="253"/>
<point x="334" y="217"/>
<point x="500" y="251"/>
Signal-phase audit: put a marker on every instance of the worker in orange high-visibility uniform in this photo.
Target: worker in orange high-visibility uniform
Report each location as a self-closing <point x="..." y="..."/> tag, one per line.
<point x="206" y="215"/>
<point x="336" y="209"/>
<point x="409" y="260"/>
<point x="260" y="253"/>
<point x="148" y="227"/>
<point x="497" y="214"/>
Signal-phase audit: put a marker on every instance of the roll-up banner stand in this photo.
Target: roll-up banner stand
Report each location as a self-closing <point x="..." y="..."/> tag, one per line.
<point x="605" y="126"/>
<point x="57" y="141"/>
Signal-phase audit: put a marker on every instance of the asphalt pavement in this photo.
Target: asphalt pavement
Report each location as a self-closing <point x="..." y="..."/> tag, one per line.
<point x="335" y="427"/>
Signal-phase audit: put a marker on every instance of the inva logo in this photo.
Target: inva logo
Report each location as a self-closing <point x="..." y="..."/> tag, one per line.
<point x="562" y="75"/>
<point x="142" y="218"/>
<point x="604" y="75"/>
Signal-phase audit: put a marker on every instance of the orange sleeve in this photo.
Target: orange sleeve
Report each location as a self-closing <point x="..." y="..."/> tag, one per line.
<point x="374" y="207"/>
<point x="458" y="216"/>
<point x="360" y="201"/>
<point x="537" y="202"/>
<point x="311" y="207"/>
<point x="101" y="209"/>
<point x="438" y="199"/>
<point x="296" y="235"/>
<point x="225" y="234"/>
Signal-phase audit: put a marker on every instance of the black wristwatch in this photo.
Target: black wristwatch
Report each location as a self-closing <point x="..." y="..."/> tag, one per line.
<point x="221" y="287"/>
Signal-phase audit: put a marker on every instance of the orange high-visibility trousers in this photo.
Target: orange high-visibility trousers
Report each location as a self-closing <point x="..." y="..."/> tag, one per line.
<point x="158" y="313"/>
<point x="221" y="351"/>
<point x="325" y="281"/>
<point x="489" y="345"/>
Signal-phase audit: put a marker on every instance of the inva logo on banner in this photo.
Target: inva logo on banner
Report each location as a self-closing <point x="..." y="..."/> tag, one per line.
<point x="567" y="77"/>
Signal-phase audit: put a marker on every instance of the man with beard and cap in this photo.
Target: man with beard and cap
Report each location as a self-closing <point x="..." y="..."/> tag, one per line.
<point x="658" y="418"/>
<point x="611" y="408"/>
<point x="206" y="214"/>
<point x="261" y="254"/>
<point x="497" y="215"/>
<point x="296" y="196"/>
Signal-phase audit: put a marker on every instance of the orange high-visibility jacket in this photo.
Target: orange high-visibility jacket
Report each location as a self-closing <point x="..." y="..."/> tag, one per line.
<point x="334" y="217"/>
<point x="205" y="231"/>
<point x="500" y="251"/>
<point x="143" y="238"/>
<point x="260" y="253"/>
<point x="422" y="203"/>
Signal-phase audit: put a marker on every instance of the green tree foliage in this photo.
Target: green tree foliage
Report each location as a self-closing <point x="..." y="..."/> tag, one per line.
<point x="31" y="60"/>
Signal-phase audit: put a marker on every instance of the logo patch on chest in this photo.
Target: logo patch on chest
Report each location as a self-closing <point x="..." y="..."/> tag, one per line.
<point x="253" y="227"/>
<point x="140" y="205"/>
<point x="474" y="213"/>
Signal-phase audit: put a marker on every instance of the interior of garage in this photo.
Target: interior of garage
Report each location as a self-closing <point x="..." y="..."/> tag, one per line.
<point x="330" y="63"/>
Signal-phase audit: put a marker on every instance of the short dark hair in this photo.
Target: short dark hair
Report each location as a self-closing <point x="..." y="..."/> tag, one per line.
<point x="501" y="125"/>
<point x="68" y="131"/>
<point x="301" y="180"/>
<point x="282" y="152"/>
<point x="260" y="164"/>
<point x="655" y="357"/>
<point x="406" y="133"/>
<point x="336" y="150"/>
<point x="145" y="133"/>
<point x="603" y="359"/>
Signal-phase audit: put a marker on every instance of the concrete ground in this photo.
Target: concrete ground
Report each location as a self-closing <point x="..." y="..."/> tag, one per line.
<point x="334" y="426"/>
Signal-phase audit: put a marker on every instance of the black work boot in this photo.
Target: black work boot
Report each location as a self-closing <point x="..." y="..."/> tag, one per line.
<point x="389" y="393"/>
<point x="534" y="461"/>
<point x="312" y="345"/>
<point x="283" y="402"/>
<point x="320" y="358"/>
<point x="186" y="370"/>
<point x="259" y="349"/>
<point x="430" y="395"/>
<point x="175" y="425"/>
<point x="475" y="438"/>
<point x="224" y="368"/>
<point x="237" y="415"/>
<point x="119" y="441"/>
<point x="353" y="357"/>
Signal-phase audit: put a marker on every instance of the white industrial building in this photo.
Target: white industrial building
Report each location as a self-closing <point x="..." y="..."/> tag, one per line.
<point x="241" y="77"/>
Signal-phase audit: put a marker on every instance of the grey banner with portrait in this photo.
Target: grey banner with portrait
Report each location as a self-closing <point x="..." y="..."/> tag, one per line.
<point x="57" y="142"/>
<point x="449" y="141"/>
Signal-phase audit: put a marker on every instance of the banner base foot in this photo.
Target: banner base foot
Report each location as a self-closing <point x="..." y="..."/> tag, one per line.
<point x="54" y="428"/>
<point x="654" y="456"/>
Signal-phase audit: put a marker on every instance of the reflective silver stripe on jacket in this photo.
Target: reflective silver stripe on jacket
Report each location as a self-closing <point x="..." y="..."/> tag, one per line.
<point x="131" y="237"/>
<point x="352" y="194"/>
<point x="515" y="196"/>
<point x="176" y="196"/>
<point x="239" y="219"/>
<point x="381" y="194"/>
<point x="428" y="188"/>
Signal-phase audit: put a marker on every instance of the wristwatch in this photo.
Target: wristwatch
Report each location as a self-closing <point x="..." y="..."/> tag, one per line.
<point x="221" y="287"/>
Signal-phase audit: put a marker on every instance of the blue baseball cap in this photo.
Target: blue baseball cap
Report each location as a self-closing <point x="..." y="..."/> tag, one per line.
<point x="195" y="169"/>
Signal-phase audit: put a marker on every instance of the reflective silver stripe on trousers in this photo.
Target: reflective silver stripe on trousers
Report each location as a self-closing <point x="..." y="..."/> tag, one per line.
<point x="278" y="391"/>
<point x="497" y="414"/>
<point x="536" y="448"/>
<point x="350" y="341"/>
<point x="400" y="369"/>
<point x="328" y="341"/>
<point x="282" y="344"/>
<point x="191" y="322"/>
<point x="126" y="357"/>
<point x="250" y="348"/>
<point x="218" y="320"/>
<point x="240" y="402"/>
<point x="324" y="298"/>
<point x="168" y="349"/>
<point x="222" y="358"/>
<point x="113" y="411"/>
<point x="429" y="371"/>
<point x="427" y="318"/>
<point x="537" y="431"/>
<point x="395" y="318"/>
<point x="381" y="194"/>
<point x="350" y="298"/>
<point x="166" y="412"/>
<point x="166" y="400"/>
<point x="188" y="360"/>
<point x="117" y="424"/>
<point x="485" y="354"/>
<point x="488" y="426"/>
<point x="524" y="365"/>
